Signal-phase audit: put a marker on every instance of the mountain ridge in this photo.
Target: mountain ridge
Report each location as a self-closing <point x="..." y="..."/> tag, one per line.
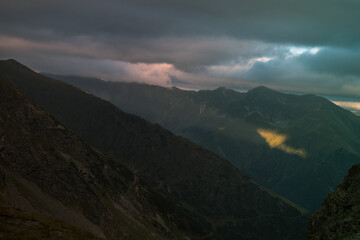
<point x="229" y="125"/>
<point x="48" y="171"/>
<point x="206" y="182"/>
<point x="338" y="217"/>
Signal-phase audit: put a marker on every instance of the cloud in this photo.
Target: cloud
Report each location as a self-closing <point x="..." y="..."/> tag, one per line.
<point x="155" y="73"/>
<point x="322" y="71"/>
<point x="310" y="46"/>
<point x="315" y="22"/>
<point x="339" y="61"/>
<point x="185" y="53"/>
<point x="352" y="106"/>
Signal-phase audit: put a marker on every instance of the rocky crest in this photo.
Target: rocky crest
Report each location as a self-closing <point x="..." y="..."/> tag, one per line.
<point x="339" y="216"/>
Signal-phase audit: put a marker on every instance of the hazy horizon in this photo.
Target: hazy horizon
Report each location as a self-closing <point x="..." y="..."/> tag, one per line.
<point x="350" y="103"/>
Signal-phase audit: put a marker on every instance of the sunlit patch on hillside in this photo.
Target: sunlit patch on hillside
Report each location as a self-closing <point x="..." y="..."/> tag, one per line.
<point x="277" y="140"/>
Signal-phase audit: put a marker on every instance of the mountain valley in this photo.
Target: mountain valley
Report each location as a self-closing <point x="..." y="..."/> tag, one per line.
<point x="300" y="146"/>
<point x="202" y="184"/>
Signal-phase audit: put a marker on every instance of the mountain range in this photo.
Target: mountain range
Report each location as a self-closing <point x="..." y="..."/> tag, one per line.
<point x="209" y="189"/>
<point x="54" y="186"/>
<point x="300" y="146"/>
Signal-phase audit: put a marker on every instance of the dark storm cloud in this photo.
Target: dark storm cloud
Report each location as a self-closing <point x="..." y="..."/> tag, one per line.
<point x="190" y="54"/>
<point x="233" y="41"/>
<point x="338" y="61"/>
<point x="329" y="71"/>
<point x="315" y="22"/>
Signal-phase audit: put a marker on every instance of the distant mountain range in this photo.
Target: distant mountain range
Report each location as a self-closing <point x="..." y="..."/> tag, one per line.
<point x="54" y="186"/>
<point x="299" y="146"/>
<point x="203" y="185"/>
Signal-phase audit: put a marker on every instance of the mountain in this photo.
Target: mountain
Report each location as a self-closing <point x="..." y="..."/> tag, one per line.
<point x="300" y="146"/>
<point x="339" y="215"/>
<point x="19" y="224"/>
<point x="209" y="188"/>
<point x="54" y="186"/>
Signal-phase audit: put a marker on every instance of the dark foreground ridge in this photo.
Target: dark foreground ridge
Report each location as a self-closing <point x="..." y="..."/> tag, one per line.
<point x="55" y="186"/>
<point x="204" y="185"/>
<point x="338" y="218"/>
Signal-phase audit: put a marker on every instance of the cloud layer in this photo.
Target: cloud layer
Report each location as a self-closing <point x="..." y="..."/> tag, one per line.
<point x="309" y="46"/>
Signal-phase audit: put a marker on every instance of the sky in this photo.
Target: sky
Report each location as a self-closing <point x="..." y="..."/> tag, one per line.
<point x="310" y="46"/>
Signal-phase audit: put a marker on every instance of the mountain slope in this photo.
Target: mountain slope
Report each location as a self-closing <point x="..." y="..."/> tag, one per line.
<point x="206" y="186"/>
<point x="299" y="146"/>
<point x="18" y="224"/>
<point x="46" y="170"/>
<point x="339" y="215"/>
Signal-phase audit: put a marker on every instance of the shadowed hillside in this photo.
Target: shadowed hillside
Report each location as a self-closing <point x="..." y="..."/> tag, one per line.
<point x="61" y="185"/>
<point x="18" y="224"/>
<point x="319" y="141"/>
<point x="338" y="218"/>
<point x="206" y="186"/>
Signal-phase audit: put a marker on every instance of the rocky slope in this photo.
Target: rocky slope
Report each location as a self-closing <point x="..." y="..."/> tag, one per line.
<point x="206" y="186"/>
<point x="299" y="146"/>
<point x="19" y="224"/>
<point x="48" y="172"/>
<point x="339" y="216"/>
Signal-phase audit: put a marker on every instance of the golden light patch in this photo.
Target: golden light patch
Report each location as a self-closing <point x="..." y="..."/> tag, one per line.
<point x="277" y="140"/>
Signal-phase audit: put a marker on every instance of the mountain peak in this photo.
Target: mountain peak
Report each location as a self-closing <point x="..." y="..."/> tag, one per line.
<point x="12" y="61"/>
<point x="225" y="91"/>
<point x="14" y="64"/>
<point x="262" y="90"/>
<point x="221" y="89"/>
<point x="9" y="60"/>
